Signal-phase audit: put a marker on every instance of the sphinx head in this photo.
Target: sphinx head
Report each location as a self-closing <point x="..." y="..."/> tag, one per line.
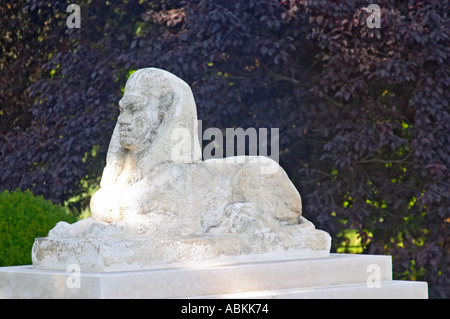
<point x="156" y="104"/>
<point x="147" y="100"/>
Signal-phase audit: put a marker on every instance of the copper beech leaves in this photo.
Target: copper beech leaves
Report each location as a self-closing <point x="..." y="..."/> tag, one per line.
<point x="363" y="112"/>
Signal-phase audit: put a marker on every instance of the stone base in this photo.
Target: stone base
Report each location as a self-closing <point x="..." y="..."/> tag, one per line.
<point x="143" y="253"/>
<point x="336" y="276"/>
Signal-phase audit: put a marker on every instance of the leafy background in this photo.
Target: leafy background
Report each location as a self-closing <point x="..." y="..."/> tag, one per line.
<point x="363" y="113"/>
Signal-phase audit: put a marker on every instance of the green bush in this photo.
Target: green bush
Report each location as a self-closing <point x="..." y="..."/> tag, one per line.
<point x="24" y="217"/>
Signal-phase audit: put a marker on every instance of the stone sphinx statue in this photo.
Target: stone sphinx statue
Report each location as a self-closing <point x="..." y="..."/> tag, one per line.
<point x="159" y="204"/>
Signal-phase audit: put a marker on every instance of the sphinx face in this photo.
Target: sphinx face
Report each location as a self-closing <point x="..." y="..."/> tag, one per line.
<point x="138" y="120"/>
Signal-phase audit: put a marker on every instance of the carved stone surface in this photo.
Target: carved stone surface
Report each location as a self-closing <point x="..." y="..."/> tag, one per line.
<point x="159" y="204"/>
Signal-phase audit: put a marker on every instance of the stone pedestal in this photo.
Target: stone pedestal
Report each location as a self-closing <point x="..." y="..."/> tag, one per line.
<point x="335" y="276"/>
<point x="138" y="254"/>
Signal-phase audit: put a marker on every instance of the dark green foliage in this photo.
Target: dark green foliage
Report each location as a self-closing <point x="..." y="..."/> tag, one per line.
<point x="24" y="217"/>
<point x="363" y="113"/>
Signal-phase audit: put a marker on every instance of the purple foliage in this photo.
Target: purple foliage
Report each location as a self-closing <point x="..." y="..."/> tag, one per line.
<point x="363" y="113"/>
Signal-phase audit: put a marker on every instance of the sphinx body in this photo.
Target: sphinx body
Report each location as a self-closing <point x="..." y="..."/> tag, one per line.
<point x="159" y="204"/>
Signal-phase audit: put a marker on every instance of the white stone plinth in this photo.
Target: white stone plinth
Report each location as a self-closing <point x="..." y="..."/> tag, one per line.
<point x="138" y="254"/>
<point x="336" y="276"/>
